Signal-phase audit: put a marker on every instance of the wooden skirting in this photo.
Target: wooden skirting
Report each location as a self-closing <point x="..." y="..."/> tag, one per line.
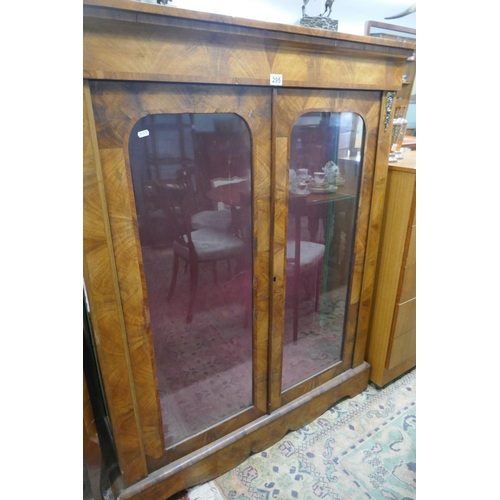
<point x="259" y="435"/>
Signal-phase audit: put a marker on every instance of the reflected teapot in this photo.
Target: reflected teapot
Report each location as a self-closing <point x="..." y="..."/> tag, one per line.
<point x="332" y="171"/>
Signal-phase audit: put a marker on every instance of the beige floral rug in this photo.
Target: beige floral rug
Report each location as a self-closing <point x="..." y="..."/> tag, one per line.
<point x="362" y="448"/>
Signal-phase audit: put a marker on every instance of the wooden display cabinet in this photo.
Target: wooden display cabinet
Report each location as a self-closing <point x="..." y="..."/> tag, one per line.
<point x="249" y="317"/>
<point x="392" y="336"/>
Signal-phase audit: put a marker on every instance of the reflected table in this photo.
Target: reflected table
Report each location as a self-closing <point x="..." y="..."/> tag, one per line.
<point x="234" y="194"/>
<point x="320" y="205"/>
<point x="238" y="196"/>
<point x="336" y="211"/>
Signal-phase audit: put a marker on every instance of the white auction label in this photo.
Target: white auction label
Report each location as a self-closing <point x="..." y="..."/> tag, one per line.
<point x="276" y="79"/>
<point x="143" y="133"/>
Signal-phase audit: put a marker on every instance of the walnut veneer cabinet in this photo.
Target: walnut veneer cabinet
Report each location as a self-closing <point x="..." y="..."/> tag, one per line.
<point x="226" y="307"/>
<point x="391" y="347"/>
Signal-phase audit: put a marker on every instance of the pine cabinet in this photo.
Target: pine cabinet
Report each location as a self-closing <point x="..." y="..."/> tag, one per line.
<point x="391" y="349"/>
<point x="229" y="303"/>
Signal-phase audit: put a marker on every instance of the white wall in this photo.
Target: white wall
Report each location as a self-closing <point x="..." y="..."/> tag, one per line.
<point x="351" y="14"/>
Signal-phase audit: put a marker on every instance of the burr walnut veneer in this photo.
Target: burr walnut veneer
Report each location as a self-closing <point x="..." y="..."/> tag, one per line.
<point x="176" y="81"/>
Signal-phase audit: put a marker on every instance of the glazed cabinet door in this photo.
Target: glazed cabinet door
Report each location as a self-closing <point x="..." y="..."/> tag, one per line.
<point x="177" y="205"/>
<point x="324" y="155"/>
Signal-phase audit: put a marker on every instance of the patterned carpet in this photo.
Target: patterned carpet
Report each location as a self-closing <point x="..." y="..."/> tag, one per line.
<point x="362" y="448"/>
<point x="204" y="368"/>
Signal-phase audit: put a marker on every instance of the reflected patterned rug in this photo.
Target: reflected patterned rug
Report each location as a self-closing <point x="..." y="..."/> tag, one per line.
<point x="362" y="448"/>
<point x="204" y="368"/>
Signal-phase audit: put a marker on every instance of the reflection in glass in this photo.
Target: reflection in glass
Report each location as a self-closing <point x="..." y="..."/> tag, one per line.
<point x="324" y="177"/>
<point x="191" y="177"/>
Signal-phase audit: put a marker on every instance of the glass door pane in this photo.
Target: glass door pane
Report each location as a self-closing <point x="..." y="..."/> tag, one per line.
<point x="191" y="176"/>
<point x="324" y="179"/>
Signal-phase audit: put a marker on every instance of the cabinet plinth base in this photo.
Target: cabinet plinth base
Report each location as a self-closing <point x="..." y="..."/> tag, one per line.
<point x="226" y="453"/>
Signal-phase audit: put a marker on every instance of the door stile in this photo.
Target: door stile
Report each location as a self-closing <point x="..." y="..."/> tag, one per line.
<point x="261" y="206"/>
<point x="133" y="293"/>
<point x="381" y="155"/>
<point x="279" y="201"/>
<point x="370" y="116"/>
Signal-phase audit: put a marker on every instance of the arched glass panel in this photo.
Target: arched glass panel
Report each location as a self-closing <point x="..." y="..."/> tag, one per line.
<point x="191" y="175"/>
<point x="326" y="157"/>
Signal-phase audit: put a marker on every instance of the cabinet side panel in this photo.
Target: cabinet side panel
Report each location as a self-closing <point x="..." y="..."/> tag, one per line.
<point x="105" y="309"/>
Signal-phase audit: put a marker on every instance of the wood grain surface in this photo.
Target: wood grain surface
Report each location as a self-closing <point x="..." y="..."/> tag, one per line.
<point x="141" y="59"/>
<point x="212" y="461"/>
<point x="395" y="290"/>
<point x="100" y="276"/>
<point x="144" y="12"/>
<point x="169" y="46"/>
<point x="118" y="106"/>
<point x="290" y="105"/>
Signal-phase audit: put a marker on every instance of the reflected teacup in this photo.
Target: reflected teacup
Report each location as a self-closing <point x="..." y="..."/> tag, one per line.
<point x="319" y="177"/>
<point x="301" y="187"/>
<point x="303" y="172"/>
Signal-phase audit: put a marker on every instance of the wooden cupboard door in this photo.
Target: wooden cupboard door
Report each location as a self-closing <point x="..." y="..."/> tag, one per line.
<point x="318" y="299"/>
<point x="404" y="317"/>
<point x="409" y="278"/>
<point x="403" y="342"/>
<point x="185" y="171"/>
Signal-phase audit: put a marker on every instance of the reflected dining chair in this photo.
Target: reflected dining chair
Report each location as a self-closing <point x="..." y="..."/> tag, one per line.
<point x="204" y="214"/>
<point x="304" y="259"/>
<point x="194" y="246"/>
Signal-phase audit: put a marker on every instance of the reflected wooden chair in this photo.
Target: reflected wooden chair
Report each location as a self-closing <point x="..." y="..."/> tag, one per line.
<point x="194" y="246"/>
<point x="304" y="259"/>
<point x="204" y="213"/>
